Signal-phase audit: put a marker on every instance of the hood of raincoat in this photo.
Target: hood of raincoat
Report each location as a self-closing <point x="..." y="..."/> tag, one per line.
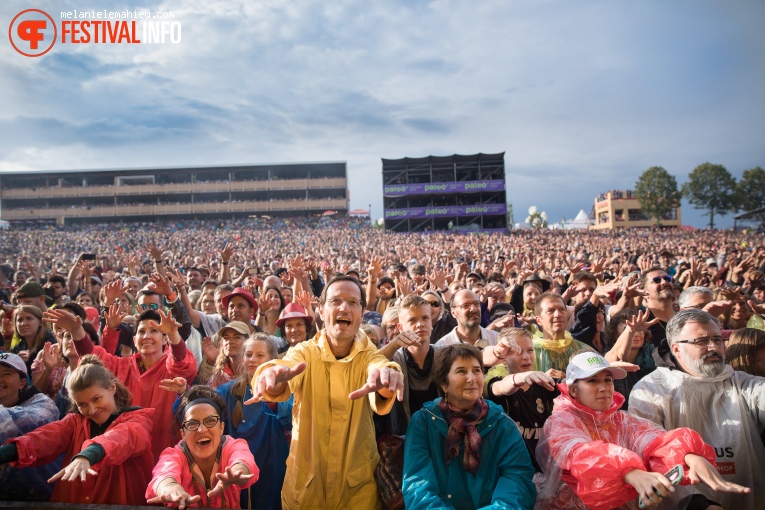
<point x="565" y="402"/>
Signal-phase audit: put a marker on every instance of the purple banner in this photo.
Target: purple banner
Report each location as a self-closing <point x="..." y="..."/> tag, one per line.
<point x="446" y="211"/>
<point x="397" y="190"/>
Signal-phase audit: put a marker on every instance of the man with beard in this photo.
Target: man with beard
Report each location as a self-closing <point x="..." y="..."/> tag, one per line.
<point x="725" y="406"/>
<point x="465" y="306"/>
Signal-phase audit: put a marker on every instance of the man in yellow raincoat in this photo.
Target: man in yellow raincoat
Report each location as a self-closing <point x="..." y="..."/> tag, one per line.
<point x="333" y="452"/>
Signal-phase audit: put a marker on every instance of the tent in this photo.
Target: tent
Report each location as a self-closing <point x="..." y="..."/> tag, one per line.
<point x="581" y="221"/>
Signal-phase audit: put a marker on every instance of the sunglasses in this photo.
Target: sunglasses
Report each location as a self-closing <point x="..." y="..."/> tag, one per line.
<point x="150" y="306"/>
<point x="658" y="279"/>
<point x="434" y="304"/>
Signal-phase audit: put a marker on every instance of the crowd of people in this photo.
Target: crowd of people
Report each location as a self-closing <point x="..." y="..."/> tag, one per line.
<point x="317" y="362"/>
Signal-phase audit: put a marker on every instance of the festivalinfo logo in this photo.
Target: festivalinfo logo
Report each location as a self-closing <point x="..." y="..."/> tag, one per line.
<point x="34" y="32"/>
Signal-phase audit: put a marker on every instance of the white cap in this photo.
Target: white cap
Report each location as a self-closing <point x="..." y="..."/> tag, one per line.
<point x="13" y="361"/>
<point x="588" y="364"/>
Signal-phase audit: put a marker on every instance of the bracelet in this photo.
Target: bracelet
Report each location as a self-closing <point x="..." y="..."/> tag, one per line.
<point x="172" y="296"/>
<point x="513" y="381"/>
<point x="224" y="262"/>
<point x="444" y="290"/>
<point x="494" y="352"/>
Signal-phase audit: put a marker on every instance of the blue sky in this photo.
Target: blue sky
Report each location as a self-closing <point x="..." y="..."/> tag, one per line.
<point x="582" y="96"/>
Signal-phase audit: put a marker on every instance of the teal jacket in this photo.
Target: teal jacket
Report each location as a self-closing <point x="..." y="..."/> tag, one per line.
<point x="504" y="474"/>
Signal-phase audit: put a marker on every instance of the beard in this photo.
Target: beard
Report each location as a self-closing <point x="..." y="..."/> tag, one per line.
<point x="706" y="370"/>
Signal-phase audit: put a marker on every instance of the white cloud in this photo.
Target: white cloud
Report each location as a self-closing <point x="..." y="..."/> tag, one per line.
<point x="582" y="96"/>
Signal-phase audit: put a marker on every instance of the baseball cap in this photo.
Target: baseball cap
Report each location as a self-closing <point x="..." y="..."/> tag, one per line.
<point x="238" y="326"/>
<point x="588" y="364"/>
<point x="29" y="290"/>
<point x="14" y="361"/>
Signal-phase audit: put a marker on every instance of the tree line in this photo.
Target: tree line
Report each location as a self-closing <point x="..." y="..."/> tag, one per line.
<point x="710" y="187"/>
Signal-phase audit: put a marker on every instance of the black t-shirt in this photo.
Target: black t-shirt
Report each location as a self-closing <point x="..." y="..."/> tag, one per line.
<point x="417" y="398"/>
<point x="529" y="410"/>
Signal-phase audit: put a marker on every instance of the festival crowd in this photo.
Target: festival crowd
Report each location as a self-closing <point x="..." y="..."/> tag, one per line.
<point x="317" y="362"/>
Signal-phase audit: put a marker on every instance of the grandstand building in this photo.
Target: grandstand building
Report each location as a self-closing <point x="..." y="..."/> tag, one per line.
<point x="459" y="193"/>
<point x="621" y="209"/>
<point x="169" y="194"/>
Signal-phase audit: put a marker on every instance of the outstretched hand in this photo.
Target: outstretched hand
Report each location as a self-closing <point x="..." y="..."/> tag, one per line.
<point x="701" y="471"/>
<point x="177" y="385"/>
<point x="272" y="376"/>
<point x="167" y="324"/>
<point x="78" y="468"/>
<point x="381" y="379"/>
<point x="63" y="319"/>
<point x="232" y="476"/>
<point x="174" y="493"/>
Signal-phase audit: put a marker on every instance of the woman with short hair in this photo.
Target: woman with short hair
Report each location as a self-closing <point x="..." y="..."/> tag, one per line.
<point x="461" y="451"/>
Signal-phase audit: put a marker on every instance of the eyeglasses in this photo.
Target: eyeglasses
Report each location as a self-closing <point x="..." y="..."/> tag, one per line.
<point x="434" y="304"/>
<point x="658" y="279"/>
<point x="468" y="306"/>
<point x="150" y="306"/>
<point x="193" y="425"/>
<point x="715" y="341"/>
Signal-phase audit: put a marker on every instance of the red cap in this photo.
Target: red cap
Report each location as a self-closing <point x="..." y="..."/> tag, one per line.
<point x="293" y="311"/>
<point x="243" y="293"/>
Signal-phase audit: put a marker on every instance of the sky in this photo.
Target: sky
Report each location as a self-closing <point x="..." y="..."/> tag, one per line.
<point x="582" y="96"/>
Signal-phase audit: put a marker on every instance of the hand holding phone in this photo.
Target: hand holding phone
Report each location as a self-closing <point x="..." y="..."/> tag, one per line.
<point x="674" y="475"/>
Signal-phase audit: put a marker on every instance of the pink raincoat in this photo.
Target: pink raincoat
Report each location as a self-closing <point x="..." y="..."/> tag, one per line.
<point x="586" y="453"/>
<point x="173" y="463"/>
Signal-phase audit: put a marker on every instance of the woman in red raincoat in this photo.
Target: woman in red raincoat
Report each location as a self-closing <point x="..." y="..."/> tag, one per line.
<point x="106" y="442"/>
<point x="596" y="457"/>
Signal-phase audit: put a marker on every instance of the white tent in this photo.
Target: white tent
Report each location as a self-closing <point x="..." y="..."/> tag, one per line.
<point x="581" y="221"/>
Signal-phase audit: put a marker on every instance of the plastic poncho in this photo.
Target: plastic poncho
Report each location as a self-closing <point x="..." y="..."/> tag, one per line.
<point x="586" y="453"/>
<point x="728" y="411"/>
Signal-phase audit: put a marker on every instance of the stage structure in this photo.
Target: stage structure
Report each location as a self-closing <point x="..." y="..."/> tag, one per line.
<point x="170" y="194"/>
<point x="458" y="193"/>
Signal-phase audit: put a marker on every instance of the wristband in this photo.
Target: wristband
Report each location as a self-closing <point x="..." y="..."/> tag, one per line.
<point x="494" y="352"/>
<point x="225" y="262"/>
<point x="172" y="296"/>
<point x="443" y="290"/>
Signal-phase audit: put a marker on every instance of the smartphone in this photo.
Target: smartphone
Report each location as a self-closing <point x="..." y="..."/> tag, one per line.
<point x="674" y="475"/>
<point x="88" y="256"/>
<point x="252" y="271"/>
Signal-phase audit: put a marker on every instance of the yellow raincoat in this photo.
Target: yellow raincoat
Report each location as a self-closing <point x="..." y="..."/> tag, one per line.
<point x="333" y="453"/>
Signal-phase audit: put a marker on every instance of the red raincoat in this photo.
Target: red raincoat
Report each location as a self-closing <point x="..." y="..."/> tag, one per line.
<point x="122" y="474"/>
<point x="586" y="453"/>
<point x="145" y="386"/>
<point x="173" y="463"/>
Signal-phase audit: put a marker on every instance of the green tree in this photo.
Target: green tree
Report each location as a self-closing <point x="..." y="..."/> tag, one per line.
<point x="656" y="190"/>
<point x="751" y="189"/>
<point x="713" y="188"/>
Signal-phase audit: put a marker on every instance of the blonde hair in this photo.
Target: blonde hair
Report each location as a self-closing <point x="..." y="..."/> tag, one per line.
<point x="92" y="372"/>
<point x="239" y="388"/>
